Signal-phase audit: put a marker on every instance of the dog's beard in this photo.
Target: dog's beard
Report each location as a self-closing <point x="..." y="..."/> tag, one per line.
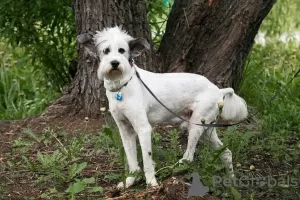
<point x="114" y="74"/>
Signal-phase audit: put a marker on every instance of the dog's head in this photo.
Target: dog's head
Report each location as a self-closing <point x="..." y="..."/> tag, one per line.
<point x="115" y="48"/>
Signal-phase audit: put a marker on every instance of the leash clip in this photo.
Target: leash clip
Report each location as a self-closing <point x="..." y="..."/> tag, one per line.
<point x="131" y="61"/>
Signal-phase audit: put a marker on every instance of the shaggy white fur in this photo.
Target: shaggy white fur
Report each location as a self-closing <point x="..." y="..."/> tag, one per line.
<point x="189" y="95"/>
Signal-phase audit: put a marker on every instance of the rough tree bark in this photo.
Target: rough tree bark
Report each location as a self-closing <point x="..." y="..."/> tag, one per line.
<point x="213" y="40"/>
<point x="91" y="15"/>
<point x="86" y="94"/>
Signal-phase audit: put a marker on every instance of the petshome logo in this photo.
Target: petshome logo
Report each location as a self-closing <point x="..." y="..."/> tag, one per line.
<point x="199" y="189"/>
<point x="256" y="181"/>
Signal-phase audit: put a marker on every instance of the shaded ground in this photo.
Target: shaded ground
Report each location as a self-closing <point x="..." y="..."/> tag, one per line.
<point x="21" y="182"/>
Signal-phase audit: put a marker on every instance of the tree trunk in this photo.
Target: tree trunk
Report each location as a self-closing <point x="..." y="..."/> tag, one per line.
<point x="87" y="91"/>
<point x="212" y="40"/>
<point x="86" y="94"/>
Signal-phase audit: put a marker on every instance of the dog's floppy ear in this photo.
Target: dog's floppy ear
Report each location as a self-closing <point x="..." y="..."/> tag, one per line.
<point x="86" y="39"/>
<point x="137" y="46"/>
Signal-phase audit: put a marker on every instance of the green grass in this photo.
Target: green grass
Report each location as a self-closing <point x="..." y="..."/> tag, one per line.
<point x="23" y="90"/>
<point x="57" y="167"/>
<point x="282" y="18"/>
<point x="81" y="166"/>
<point x="87" y="165"/>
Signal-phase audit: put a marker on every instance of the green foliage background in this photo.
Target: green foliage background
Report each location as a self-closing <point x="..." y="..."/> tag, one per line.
<point x="46" y="32"/>
<point x="36" y="51"/>
<point x="23" y="89"/>
<point x="270" y="67"/>
<point x="38" y="47"/>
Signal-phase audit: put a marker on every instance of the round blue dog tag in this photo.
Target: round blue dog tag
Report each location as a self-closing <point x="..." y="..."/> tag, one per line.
<point x="119" y="96"/>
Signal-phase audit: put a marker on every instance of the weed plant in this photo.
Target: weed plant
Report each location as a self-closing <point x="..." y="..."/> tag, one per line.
<point x="23" y="90"/>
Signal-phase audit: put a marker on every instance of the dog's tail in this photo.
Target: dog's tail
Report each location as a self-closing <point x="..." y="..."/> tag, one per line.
<point x="235" y="108"/>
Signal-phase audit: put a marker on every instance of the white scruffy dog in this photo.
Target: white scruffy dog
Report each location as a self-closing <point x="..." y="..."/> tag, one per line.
<point x="191" y="96"/>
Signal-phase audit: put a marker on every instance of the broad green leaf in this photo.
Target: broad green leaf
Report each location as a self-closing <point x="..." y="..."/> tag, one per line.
<point x="76" y="169"/>
<point x="89" y="180"/>
<point x="107" y="131"/>
<point x="76" y="187"/>
<point x="40" y="157"/>
<point x="53" y="190"/>
<point x="218" y="152"/>
<point x="32" y="135"/>
<point x="44" y="195"/>
<point x="96" y="189"/>
<point x="247" y="136"/>
<point x="236" y="194"/>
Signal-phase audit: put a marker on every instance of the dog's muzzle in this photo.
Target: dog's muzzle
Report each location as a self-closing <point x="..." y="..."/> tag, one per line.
<point x="115" y="64"/>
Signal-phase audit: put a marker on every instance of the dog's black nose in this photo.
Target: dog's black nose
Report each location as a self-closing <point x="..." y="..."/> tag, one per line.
<point x="114" y="64"/>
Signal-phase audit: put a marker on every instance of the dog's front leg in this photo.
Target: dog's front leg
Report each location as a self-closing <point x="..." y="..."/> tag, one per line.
<point x="144" y="129"/>
<point x="128" y="137"/>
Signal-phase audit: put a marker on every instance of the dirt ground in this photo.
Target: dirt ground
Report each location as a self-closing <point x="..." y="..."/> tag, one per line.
<point x="24" y="185"/>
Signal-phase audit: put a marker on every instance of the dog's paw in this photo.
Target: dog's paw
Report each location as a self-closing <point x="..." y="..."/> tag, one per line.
<point x="129" y="182"/>
<point x="187" y="157"/>
<point x="152" y="183"/>
<point x="231" y="175"/>
<point x="184" y="160"/>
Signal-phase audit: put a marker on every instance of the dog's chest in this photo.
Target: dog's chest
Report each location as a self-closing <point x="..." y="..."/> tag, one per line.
<point x="122" y="106"/>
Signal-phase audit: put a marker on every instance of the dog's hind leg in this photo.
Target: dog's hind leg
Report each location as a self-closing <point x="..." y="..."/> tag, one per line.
<point x="194" y="134"/>
<point x="204" y="110"/>
<point x="128" y="136"/>
<point x="196" y="131"/>
<point x="216" y="144"/>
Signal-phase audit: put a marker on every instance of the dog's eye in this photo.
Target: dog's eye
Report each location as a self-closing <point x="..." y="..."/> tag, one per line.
<point x="106" y="51"/>
<point x="121" y="50"/>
